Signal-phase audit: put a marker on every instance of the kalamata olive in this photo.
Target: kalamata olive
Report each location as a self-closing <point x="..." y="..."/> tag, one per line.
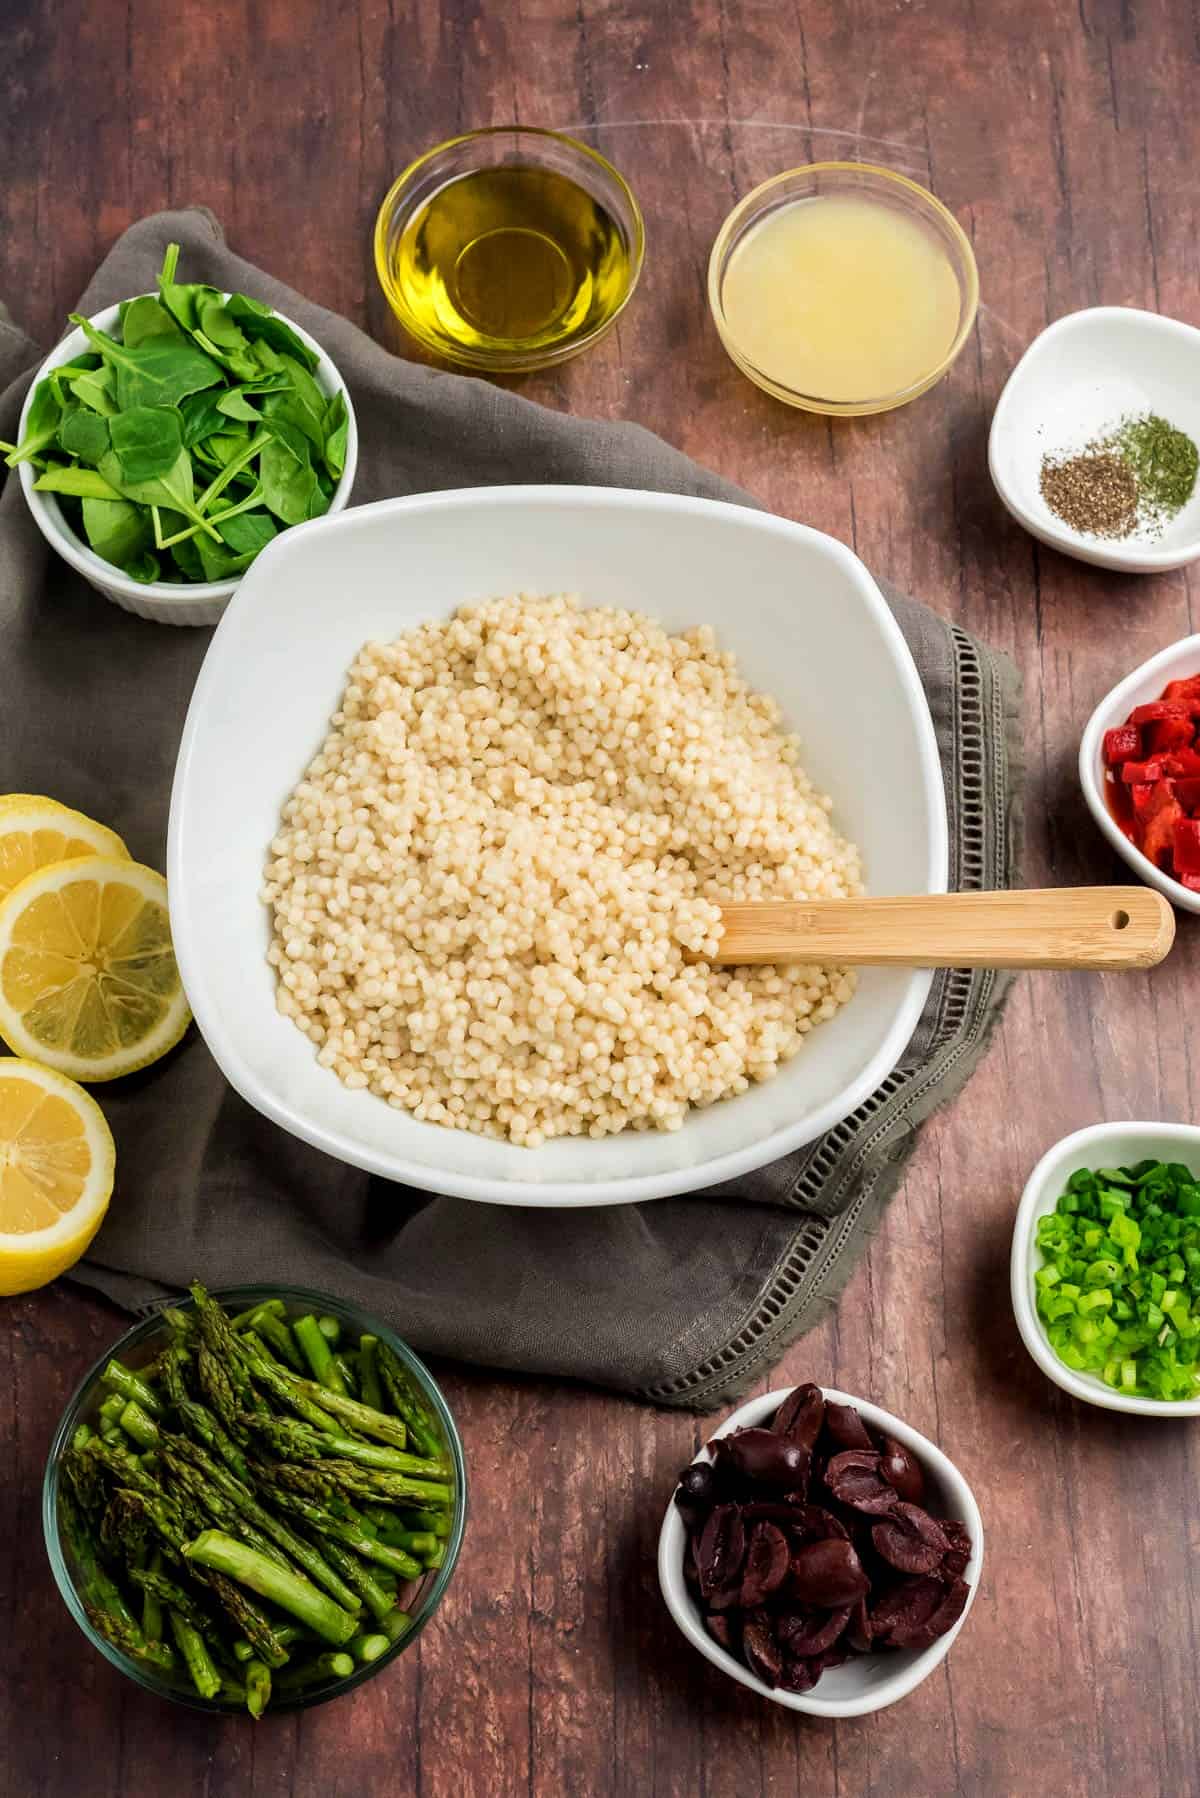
<point x="759" y="1648"/>
<point x="846" y="1426"/>
<point x="910" y="1539"/>
<point x="809" y="1632"/>
<point x="772" y="1510"/>
<point x="854" y="1478"/>
<point x="767" y="1459"/>
<point x="812" y="1523"/>
<point x="768" y="1557"/>
<point x="801" y="1414"/>
<point x="720" y="1629"/>
<point x="944" y="1618"/>
<point x="720" y="1549"/>
<point x="696" y="1493"/>
<point x="901" y="1469"/>
<point x="858" y="1630"/>
<point x="799" y="1675"/>
<point x="954" y="1562"/>
<point x="904" y="1611"/>
<point x="828" y="1574"/>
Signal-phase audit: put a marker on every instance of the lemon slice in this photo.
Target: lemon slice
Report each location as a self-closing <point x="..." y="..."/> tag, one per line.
<point x="56" y="1174"/>
<point x="35" y="832"/>
<point x="88" y="981"/>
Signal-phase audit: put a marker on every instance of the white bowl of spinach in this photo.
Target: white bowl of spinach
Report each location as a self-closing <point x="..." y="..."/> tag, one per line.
<point x="168" y="440"/>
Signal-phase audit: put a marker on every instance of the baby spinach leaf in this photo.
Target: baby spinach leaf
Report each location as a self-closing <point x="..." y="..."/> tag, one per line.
<point x="187" y="557"/>
<point x="95" y="388"/>
<point x="159" y="373"/>
<point x="318" y="504"/>
<point x="80" y="483"/>
<point x="266" y="359"/>
<point x="337" y="431"/>
<point x="247" y="532"/>
<point x="116" y="529"/>
<point x="221" y="328"/>
<point x="83" y="434"/>
<point x="264" y="326"/>
<point x="290" y="417"/>
<point x="201" y="417"/>
<point x="220" y="564"/>
<point x="235" y="404"/>
<point x="41" y="426"/>
<point x="143" y="568"/>
<point x="146" y="318"/>
<point x="305" y="388"/>
<point x="288" y="483"/>
<point x="173" y="488"/>
<point x="147" y="440"/>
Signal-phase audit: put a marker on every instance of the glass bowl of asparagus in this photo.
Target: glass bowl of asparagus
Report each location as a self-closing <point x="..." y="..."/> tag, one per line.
<point x="255" y="1500"/>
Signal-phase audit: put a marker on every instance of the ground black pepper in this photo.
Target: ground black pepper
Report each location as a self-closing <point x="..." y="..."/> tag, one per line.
<point x="1095" y="492"/>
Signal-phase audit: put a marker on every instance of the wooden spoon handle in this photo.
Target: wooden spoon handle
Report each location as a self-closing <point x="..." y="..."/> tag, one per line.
<point x="1059" y="927"/>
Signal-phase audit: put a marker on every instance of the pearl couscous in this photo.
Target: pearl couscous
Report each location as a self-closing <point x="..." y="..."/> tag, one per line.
<point x="488" y="885"/>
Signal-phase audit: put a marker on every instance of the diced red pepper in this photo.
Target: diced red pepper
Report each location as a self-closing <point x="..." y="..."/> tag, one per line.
<point x="1180" y="691"/>
<point x="1187" y="846"/>
<point x="1183" y="764"/>
<point x="1191" y="882"/>
<point x="1188" y="794"/>
<point x="1158" y="837"/>
<point x="1157" y="709"/>
<point x="1137" y="773"/>
<point x="1170" y="733"/>
<point x="1122" y="745"/>
<point x="1147" y="795"/>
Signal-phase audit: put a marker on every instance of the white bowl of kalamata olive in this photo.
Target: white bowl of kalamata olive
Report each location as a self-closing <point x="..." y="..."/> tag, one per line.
<point x="821" y="1552"/>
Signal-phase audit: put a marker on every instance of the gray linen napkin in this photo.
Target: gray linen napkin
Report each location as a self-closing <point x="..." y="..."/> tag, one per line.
<point x="681" y="1302"/>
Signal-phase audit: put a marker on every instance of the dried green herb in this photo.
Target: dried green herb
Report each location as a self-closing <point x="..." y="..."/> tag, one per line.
<point x="1164" y="461"/>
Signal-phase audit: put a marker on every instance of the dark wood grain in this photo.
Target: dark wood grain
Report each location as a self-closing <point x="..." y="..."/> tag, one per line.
<point x="1065" y="138"/>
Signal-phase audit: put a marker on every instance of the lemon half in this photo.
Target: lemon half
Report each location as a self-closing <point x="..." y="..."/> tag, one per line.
<point x="35" y="832"/>
<point x="56" y="1174"/>
<point x="88" y="981"/>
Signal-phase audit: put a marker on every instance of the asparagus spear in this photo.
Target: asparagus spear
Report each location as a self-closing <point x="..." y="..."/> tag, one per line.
<point x="278" y="1382"/>
<point x="360" y="1417"/>
<point x="220" y="1509"/>
<point x="357" y="1574"/>
<point x="368" y="1377"/>
<point x="302" y="1552"/>
<point x="102" y="1598"/>
<point x="298" y="1442"/>
<point x="139" y="1425"/>
<point x="258" y="1688"/>
<point x="371" y="1483"/>
<point x="196" y="1658"/>
<point x="311" y="1673"/>
<point x="290" y="1591"/>
<point x="408" y="1402"/>
<point x="335" y="1529"/>
<point x="314" y="1346"/>
<point x="330" y="1329"/>
<point x="218" y="1388"/>
<point x="286" y="1634"/>
<point x="160" y="1588"/>
<point x="367" y="1648"/>
<point x="274" y="1308"/>
<point x="278" y="1337"/>
<point x="131" y="1386"/>
<point x="196" y="1418"/>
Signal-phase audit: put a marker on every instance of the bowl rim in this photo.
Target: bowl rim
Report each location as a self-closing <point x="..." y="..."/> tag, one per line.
<point x="84" y="560"/>
<point x="1102" y="552"/>
<point x="546" y="1194"/>
<point x="881" y="179"/>
<point x="1036" y="1201"/>
<point x="914" y="1670"/>
<point x="1116" y="703"/>
<point x="239" y="1297"/>
<point x="501" y="362"/>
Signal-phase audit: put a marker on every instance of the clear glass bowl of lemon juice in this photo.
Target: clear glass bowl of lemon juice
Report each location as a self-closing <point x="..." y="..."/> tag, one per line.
<point x="842" y="288"/>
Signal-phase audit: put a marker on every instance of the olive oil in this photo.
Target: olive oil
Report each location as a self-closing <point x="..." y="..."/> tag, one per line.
<point x="510" y="261"/>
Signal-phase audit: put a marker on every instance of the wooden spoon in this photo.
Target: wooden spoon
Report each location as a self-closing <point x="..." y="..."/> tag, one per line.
<point x="1059" y="927"/>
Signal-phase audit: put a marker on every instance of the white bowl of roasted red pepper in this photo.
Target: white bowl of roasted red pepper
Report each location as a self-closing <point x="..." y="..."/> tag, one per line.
<point x="255" y="1500"/>
<point x="1139" y="766"/>
<point x="821" y="1552"/>
<point x="1106" y="1267"/>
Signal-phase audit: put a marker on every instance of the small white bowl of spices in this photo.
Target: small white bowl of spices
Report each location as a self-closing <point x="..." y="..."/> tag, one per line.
<point x="1093" y="445"/>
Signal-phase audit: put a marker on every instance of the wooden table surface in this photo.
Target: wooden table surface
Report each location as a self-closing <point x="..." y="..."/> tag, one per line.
<point x="1065" y="139"/>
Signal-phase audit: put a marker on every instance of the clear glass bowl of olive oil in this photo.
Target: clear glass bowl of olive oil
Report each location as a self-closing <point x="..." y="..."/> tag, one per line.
<point x="509" y="249"/>
<point x="842" y="288"/>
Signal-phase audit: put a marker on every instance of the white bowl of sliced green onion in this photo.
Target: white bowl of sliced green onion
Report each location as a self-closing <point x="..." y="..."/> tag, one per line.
<point x="1106" y="1267"/>
<point x="215" y="455"/>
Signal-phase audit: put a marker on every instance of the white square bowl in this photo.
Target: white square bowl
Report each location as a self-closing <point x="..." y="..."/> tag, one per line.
<point x="1101" y="1145"/>
<point x="807" y="623"/>
<point x="1141" y="687"/>
<point x="866" y="1682"/>
<point x="1079" y="378"/>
